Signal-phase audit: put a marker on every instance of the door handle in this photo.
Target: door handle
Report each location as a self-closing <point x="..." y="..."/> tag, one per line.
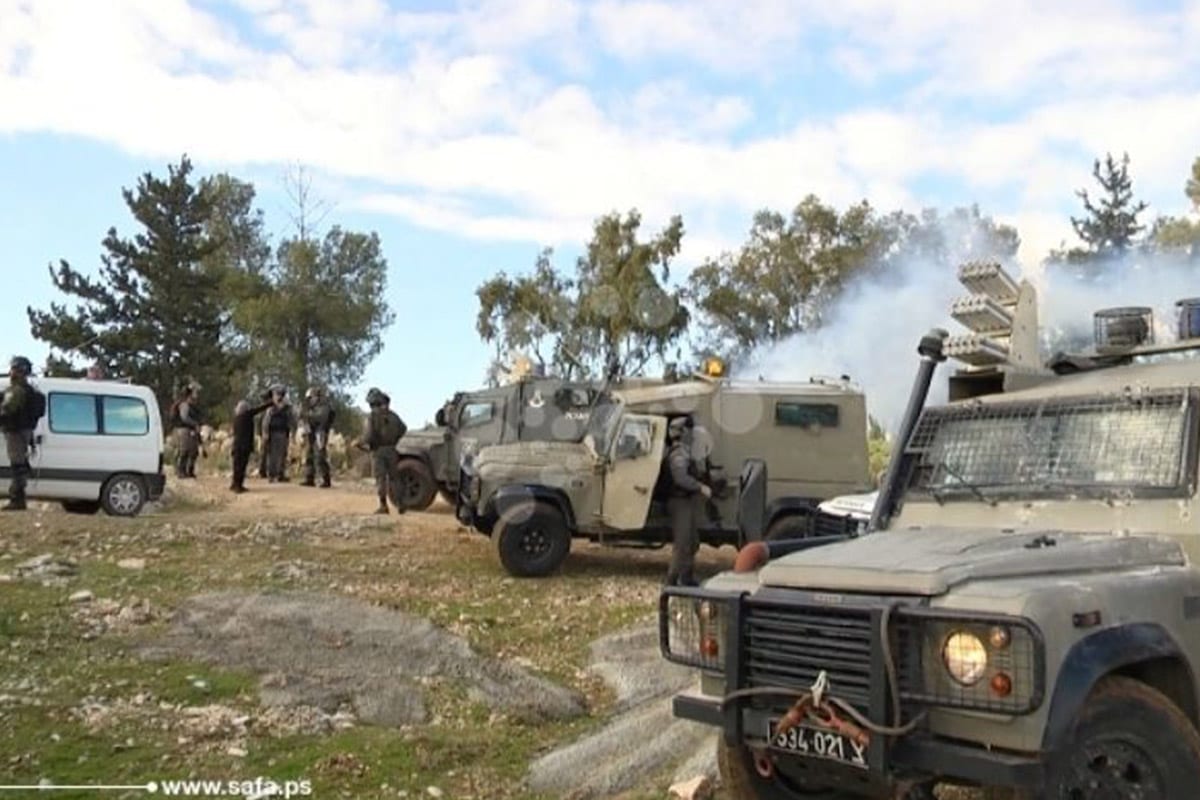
<point x="641" y="489"/>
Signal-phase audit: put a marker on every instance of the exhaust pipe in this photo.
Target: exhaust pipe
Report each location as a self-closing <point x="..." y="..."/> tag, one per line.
<point x="931" y="350"/>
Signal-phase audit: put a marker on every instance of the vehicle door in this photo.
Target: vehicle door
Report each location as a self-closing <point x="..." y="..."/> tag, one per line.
<point x="478" y="422"/>
<point x="634" y="461"/>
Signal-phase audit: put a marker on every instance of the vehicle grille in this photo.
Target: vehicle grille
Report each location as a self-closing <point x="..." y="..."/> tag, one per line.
<point x="789" y="646"/>
<point x="830" y="525"/>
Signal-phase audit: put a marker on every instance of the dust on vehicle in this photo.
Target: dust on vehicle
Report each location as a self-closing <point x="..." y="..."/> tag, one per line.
<point x="1022" y="612"/>
<point x="533" y="498"/>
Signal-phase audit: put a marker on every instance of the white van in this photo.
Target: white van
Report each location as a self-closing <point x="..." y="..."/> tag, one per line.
<point x="100" y="445"/>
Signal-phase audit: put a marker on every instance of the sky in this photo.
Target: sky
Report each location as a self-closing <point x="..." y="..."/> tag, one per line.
<point x="472" y="134"/>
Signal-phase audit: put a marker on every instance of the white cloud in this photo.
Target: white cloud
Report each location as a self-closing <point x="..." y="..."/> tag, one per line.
<point x="457" y="113"/>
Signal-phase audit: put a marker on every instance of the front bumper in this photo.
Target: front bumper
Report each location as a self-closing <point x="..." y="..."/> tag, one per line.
<point x="917" y="754"/>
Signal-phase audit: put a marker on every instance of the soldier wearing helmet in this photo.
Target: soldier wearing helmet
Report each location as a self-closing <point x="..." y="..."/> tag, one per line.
<point x="686" y="493"/>
<point x="279" y="423"/>
<point x="317" y="424"/>
<point x="185" y="416"/>
<point x="384" y="429"/>
<point x="18" y="432"/>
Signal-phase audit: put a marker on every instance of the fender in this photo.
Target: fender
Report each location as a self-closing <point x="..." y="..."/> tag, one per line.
<point x="412" y="451"/>
<point x="513" y="494"/>
<point x="1094" y="657"/>
<point x="784" y="506"/>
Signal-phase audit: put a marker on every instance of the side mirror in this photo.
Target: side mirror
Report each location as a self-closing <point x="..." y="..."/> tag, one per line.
<point x="752" y="500"/>
<point x="439" y="418"/>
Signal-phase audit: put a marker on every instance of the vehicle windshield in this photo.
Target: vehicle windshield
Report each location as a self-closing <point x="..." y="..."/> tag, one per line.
<point x="1128" y="444"/>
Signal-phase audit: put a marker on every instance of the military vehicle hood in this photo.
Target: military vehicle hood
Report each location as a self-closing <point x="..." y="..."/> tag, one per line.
<point x="535" y="456"/>
<point x="931" y="561"/>
<point x="423" y="438"/>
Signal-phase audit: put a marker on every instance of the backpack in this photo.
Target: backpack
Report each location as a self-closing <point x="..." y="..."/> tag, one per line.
<point x="34" y="410"/>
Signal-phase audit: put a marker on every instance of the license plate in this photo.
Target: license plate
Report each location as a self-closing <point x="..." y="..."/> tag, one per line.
<point x="813" y="742"/>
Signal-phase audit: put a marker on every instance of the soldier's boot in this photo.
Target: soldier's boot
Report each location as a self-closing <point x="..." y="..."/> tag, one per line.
<point x="326" y="482"/>
<point x="308" y="481"/>
<point x="14" y="504"/>
<point x="16" y="494"/>
<point x="382" y="510"/>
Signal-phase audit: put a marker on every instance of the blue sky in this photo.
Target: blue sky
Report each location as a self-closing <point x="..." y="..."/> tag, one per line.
<point x="471" y="134"/>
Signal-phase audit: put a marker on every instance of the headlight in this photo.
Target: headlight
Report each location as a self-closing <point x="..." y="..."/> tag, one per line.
<point x="692" y="630"/>
<point x="965" y="657"/>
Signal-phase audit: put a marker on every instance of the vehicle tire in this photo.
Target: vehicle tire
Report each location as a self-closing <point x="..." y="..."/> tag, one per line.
<point x="417" y="487"/>
<point x="741" y="782"/>
<point x="792" y="526"/>
<point x="531" y="539"/>
<point x="81" y="506"/>
<point x="1129" y="740"/>
<point x="123" y="495"/>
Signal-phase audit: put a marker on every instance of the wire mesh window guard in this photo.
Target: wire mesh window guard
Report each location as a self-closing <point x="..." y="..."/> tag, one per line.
<point x="1123" y="442"/>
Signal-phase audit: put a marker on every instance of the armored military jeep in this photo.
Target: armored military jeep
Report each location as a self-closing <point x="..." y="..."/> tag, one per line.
<point x="530" y="408"/>
<point x="1023" y="611"/>
<point x="532" y="498"/>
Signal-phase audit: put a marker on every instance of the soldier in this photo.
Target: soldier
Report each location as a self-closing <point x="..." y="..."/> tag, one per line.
<point x="263" y="436"/>
<point x="15" y="419"/>
<point x="279" y="423"/>
<point x="318" y="424"/>
<point x="384" y="429"/>
<point x="686" y="495"/>
<point x="243" y="441"/>
<point x="185" y="416"/>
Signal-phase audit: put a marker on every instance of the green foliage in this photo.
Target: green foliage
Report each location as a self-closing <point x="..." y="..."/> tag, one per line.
<point x="1110" y="225"/>
<point x="614" y="315"/>
<point x="1180" y="236"/>
<point x="1192" y="189"/>
<point x="318" y="313"/>
<point x="155" y="312"/>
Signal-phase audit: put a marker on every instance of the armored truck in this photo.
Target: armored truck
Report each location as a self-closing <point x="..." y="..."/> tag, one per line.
<point x="533" y="498"/>
<point x="531" y="408"/>
<point x="1022" y="610"/>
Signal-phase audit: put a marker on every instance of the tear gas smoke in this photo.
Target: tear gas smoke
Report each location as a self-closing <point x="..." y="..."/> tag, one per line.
<point x="872" y="330"/>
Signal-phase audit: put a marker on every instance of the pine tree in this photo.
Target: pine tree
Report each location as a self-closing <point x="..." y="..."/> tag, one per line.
<point x="1110" y="227"/>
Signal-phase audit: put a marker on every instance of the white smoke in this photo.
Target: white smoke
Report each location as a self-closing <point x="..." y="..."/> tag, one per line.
<point x="872" y="331"/>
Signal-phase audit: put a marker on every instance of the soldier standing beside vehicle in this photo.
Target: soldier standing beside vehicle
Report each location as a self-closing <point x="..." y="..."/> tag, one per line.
<point x="280" y="422"/>
<point x="318" y="424"/>
<point x="384" y="429"/>
<point x="185" y="416"/>
<point x="685" y="500"/>
<point x="18" y="424"/>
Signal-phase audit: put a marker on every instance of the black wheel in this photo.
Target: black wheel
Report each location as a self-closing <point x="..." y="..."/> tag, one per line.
<point x="793" y="526"/>
<point x="123" y="496"/>
<point x="531" y="539"/>
<point x="1130" y="741"/>
<point x="81" y="506"/>
<point x="417" y="487"/>
<point x="742" y="781"/>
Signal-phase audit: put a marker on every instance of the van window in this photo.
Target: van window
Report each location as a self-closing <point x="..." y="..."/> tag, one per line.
<point x="73" y="413"/>
<point x="125" y="416"/>
<point x="806" y="415"/>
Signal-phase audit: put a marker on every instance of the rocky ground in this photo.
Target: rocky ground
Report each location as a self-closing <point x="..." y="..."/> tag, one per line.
<point x="285" y="633"/>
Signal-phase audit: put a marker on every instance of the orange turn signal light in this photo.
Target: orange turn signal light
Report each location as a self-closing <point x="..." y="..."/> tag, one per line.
<point x="1001" y="685"/>
<point x="709" y="648"/>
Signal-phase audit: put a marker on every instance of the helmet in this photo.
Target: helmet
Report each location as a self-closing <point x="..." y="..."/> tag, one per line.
<point x="313" y="391"/>
<point x="677" y="427"/>
<point x="21" y="364"/>
<point x="375" y="397"/>
<point x="278" y="389"/>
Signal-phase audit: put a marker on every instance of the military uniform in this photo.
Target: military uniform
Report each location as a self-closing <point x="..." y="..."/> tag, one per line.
<point x="18" y="438"/>
<point x="279" y="422"/>
<point x="318" y="423"/>
<point x="187" y="438"/>
<point x="685" y="505"/>
<point x="384" y="429"/>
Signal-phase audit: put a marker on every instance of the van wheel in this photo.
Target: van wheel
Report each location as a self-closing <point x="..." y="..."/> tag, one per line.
<point x="1130" y="740"/>
<point x="417" y="487"/>
<point x="81" y="506"/>
<point x="123" y="496"/>
<point x="531" y="539"/>
<point x="793" y="526"/>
